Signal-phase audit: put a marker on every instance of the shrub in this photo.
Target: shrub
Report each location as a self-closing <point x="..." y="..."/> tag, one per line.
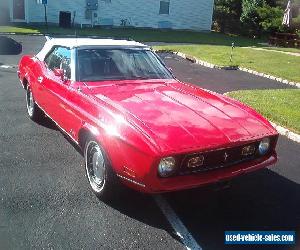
<point x="270" y="18"/>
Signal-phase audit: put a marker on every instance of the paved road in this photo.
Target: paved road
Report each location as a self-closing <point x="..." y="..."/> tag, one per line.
<point x="45" y="201"/>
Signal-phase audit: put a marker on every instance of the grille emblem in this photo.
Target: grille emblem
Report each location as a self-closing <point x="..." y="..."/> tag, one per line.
<point x="196" y="161"/>
<point x="226" y="156"/>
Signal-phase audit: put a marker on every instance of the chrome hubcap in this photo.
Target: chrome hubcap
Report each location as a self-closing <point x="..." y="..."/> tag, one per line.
<point x="95" y="165"/>
<point x="98" y="166"/>
<point x="30" y="103"/>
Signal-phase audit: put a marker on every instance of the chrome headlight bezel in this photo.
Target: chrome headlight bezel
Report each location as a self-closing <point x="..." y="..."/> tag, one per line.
<point x="264" y="146"/>
<point x="167" y="167"/>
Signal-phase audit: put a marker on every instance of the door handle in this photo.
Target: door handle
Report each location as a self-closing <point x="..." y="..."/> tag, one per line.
<point x="40" y="79"/>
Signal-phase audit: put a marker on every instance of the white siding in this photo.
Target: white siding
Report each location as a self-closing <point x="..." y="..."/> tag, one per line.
<point x="3" y="4"/>
<point x="5" y="13"/>
<point x="36" y="11"/>
<point x="184" y="14"/>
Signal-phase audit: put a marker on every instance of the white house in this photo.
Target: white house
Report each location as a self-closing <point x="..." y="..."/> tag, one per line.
<point x="175" y="14"/>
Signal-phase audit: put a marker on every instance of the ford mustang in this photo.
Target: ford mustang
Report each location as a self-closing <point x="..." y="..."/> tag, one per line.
<point x="136" y="123"/>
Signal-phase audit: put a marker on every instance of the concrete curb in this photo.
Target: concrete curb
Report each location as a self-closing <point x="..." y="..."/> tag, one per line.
<point x="285" y="132"/>
<point x="213" y="66"/>
<point x="59" y="35"/>
<point x="21" y="34"/>
<point x="8" y="68"/>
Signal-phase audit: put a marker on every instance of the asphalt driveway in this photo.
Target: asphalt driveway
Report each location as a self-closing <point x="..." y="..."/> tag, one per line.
<point x="218" y="80"/>
<point x="45" y="200"/>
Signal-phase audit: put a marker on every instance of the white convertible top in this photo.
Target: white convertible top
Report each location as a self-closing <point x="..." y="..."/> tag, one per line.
<point x="80" y="42"/>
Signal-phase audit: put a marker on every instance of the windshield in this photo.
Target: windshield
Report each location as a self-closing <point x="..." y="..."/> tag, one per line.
<point x="119" y="64"/>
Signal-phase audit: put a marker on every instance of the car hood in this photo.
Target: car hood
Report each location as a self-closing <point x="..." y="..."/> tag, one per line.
<point x="180" y="116"/>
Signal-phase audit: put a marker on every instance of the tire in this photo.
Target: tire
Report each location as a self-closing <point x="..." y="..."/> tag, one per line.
<point x="34" y="112"/>
<point x="101" y="177"/>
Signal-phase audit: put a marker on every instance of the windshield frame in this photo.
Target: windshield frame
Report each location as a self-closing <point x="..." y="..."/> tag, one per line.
<point x="142" y="48"/>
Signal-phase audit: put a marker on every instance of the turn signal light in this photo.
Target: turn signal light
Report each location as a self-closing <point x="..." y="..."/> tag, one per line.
<point x="248" y="150"/>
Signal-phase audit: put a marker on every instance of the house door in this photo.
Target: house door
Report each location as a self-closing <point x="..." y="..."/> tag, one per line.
<point x="19" y="9"/>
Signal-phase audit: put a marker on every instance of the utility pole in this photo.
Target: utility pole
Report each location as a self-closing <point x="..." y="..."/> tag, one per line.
<point x="231" y="54"/>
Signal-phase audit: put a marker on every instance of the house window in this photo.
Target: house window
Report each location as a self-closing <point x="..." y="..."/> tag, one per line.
<point x="164" y="7"/>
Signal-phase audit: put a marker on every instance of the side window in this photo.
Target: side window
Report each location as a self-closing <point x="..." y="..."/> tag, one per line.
<point x="49" y="58"/>
<point x="164" y="7"/>
<point x="60" y="58"/>
<point x="65" y="55"/>
<point x="54" y="59"/>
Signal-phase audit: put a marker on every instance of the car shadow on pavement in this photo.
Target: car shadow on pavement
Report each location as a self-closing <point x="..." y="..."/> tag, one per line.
<point x="140" y="207"/>
<point x="47" y="123"/>
<point x="262" y="201"/>
<point x="9" y="46"/>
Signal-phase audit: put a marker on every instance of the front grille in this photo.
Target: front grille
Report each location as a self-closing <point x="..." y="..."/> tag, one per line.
<point x="219" y="158"/>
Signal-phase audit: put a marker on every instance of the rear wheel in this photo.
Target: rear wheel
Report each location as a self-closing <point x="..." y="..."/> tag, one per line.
<point x="102" y="179"/>
<point x="34" y="112"/>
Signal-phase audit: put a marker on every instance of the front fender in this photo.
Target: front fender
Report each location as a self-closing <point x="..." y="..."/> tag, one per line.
<point x="130" y="155"/>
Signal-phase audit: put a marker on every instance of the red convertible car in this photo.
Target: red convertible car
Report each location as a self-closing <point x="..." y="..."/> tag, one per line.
<point x="136" y="123"/>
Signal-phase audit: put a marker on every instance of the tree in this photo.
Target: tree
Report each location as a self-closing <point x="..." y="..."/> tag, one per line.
<point x="252" y="17"/>
<point x="227" y="14"/>
<point x="249" y="16"/>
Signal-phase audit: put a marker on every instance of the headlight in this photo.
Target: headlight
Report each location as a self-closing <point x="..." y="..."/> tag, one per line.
<point x="264" y="146"/>
<point x="167" y="166"/>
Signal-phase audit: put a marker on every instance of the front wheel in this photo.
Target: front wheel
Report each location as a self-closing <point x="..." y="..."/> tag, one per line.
<point x="102" y="179"/>
<point x="33" y="110"/>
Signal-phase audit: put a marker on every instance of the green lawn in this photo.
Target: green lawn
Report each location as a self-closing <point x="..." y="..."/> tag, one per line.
<point x="15" y="29"/>
<point x="279" y="106"/>
<point x="273" y="63"/>
<point x="143" y="35"/>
